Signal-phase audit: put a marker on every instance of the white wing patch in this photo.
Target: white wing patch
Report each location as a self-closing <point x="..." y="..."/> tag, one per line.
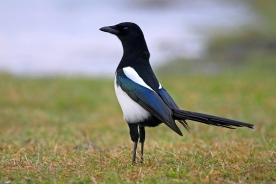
<point x="160" y="86"/>
<point x="133" y="112"/>
<point x="133" y="75"/>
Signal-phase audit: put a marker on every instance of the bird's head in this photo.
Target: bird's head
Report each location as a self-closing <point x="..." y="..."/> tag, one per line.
<point x="131" y="36"/>
<point x="125" y="31"/>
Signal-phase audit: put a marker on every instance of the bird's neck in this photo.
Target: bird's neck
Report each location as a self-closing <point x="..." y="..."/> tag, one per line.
<point x="135" y="53"/>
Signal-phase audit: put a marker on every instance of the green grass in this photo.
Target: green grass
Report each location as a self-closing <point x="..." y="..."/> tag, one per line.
<point x="71" y="130"/>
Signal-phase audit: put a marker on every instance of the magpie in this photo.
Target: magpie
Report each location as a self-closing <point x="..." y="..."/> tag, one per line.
<point x="143" y="100"/>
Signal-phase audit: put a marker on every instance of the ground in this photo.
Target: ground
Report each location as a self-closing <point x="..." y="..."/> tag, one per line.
<point x="71" y="130"/>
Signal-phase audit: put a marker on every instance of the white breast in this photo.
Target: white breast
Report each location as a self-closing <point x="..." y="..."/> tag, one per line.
<point x="133" y="112"/>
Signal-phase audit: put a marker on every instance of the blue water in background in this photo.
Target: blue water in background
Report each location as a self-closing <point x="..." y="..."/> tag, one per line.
<point x="62" y="37"/>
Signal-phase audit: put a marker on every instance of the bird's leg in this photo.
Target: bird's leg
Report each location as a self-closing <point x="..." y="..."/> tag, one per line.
<point x="133" y="130"/>
<point x="142" y="140"/>
<point x="134" y="153"/>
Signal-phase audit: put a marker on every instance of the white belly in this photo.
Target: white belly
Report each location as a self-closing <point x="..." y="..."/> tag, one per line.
<point x="133" y="112"/>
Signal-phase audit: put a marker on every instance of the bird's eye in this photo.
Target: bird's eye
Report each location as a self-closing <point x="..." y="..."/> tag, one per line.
<point x="126" y="29"/>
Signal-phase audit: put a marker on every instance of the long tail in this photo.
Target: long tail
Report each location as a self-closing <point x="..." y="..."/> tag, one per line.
<point x="208" y="119"/>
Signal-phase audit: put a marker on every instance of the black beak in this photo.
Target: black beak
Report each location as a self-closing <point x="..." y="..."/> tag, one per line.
<point x="110" y="29"/>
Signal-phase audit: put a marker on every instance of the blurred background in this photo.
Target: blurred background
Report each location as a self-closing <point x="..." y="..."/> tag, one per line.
<point x="46" y="38"/>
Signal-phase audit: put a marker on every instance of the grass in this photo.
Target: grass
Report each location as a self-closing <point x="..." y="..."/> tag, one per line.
<point x="71" y="130"/>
